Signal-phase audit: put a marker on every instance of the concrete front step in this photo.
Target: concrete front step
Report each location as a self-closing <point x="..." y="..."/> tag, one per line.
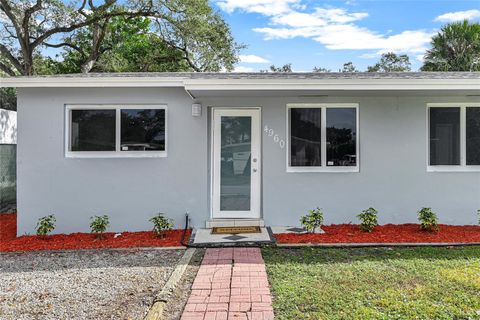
<point x="234" y="223"/>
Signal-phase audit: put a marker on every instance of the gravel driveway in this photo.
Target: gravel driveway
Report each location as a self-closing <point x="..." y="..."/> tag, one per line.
<point x="93" y="284"/>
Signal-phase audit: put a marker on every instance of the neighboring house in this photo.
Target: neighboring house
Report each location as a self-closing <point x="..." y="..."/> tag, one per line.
<point x="238" y="148"/>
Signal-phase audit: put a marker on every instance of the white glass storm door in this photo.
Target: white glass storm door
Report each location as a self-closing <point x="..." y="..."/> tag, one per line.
<point x="236" y="163"/>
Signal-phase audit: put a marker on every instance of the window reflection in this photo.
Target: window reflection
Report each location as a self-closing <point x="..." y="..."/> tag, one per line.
<point x="93" y="130"/>
<point x="235" y="167"/>
<point x="341" y="137"/>
<point x="142" y="130"/>
<point x="473" y="135"/>
<point x="305" y="134"/>
<point x="444" y="136"/>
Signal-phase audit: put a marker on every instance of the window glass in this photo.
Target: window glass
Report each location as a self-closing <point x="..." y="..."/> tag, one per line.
<point x="92" y="130"/>
<point x="142" y="130"/>
<point x="305" y="134"/>
<point x="341" y="137"/>
<point x="235" y="167"/>
<point x="445" y="136"/>
<point x="473" y="135"/>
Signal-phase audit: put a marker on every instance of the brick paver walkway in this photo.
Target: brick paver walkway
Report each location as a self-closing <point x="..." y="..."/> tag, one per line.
<point x="231" y="284"/>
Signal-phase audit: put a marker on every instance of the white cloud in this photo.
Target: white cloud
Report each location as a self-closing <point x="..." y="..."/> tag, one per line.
<point x="320" y="17"/>
<point x="243" y="69"/>
<point x="265" y="7"/>
<point x="352" y="37"/>
<point x="335" y="28"/>
<point x="458" y="16"/>
<point x="251" y="58"/>
<point x="339" y="15"/>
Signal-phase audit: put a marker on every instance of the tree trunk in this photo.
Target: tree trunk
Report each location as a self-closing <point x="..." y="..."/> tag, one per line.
<point x="99" y="29"/>
<point x="88" y="65"/>
<point x="28" y="64"/>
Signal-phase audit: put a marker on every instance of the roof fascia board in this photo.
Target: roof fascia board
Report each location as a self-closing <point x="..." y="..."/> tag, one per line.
<point x="89" y="82"/>
<point x="332" y="84"/>
<point x="243" y="84"/>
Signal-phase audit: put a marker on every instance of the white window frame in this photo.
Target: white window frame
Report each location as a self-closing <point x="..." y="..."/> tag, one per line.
<point x="323" y="139"/>
<point x="117" y="153"/>
<point x="462" y="167"/>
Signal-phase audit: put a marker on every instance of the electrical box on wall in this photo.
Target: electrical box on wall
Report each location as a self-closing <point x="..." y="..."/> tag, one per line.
<point x="196" y="110"/>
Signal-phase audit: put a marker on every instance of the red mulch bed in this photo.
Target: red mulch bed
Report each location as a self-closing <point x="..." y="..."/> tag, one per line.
<point x="390" y="233"/>
<point x="8" y="226"/>
<point x="76" y="241"/>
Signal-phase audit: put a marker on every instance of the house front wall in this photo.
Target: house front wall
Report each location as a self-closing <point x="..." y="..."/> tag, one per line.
<point x="129" y="190"/>
<point x="392" y="178"/>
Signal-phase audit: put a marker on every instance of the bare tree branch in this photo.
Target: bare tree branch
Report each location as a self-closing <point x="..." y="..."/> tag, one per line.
<point x="64" y="44"/>
<point x="31" y="10"/>
<point x="90" y="21"/>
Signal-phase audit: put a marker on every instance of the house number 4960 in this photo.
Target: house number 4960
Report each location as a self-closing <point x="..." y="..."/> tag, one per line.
<point x="276" y="138"/>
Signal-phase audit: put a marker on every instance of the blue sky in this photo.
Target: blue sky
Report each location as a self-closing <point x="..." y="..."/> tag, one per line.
<point x="328" y="33"/>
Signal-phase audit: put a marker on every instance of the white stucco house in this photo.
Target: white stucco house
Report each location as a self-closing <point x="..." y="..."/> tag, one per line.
<point x="252" y="148"/>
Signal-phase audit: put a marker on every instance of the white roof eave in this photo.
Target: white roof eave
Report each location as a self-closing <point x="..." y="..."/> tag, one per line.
<point x="90" y="82"/>
<point x="332" y="84"/>
<point x="243" y="84"/>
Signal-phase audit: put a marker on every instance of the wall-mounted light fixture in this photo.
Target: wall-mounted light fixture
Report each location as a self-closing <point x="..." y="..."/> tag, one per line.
<point x="196" y="110"/>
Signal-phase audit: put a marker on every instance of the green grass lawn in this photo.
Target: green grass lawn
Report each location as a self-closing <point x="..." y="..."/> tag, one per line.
<point x="375" y="283"/>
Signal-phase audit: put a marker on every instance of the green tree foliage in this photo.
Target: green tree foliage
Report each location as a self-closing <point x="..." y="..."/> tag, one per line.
<point x="456" y="47"/>
<point x="320" y="69"/>
<point x="285" y="68"/>
<point x="391" y="62"/>
<point x="348" y="67"/>
<point x="189" y="30"/>
<point x="8" y="99"/>
<point x="128" y="46"/>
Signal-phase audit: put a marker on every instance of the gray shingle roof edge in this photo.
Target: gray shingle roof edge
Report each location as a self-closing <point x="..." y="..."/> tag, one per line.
<point x="272" y="75"/>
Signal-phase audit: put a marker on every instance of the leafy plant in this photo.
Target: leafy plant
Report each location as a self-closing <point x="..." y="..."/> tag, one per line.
<point x="428" y="219"/>
<point x="313" y="220"/>
<point x="369" y="219"/>
<point x="456" y="47"/>
<point x="99" y="225"/>
<point x="391" y="62"/>
<point x="45" y="225"/>
<point x="161" y="224"/>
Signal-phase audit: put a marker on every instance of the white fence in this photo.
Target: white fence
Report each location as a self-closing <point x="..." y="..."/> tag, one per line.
<point x="8" y="155"/>
<point x="8" y="127"/>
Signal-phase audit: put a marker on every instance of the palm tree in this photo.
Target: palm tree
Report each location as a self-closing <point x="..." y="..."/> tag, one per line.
<point x="455" y="48"/>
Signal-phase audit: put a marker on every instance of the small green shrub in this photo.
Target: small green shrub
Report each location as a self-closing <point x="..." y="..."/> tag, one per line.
<point x="312" y="220"/>
<point x="161" y="224"/>
<point x="45" y="225"/>
<point x="428" y="219"/>
<point x="99" y="224"/>
<point x="368" y="219"/>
